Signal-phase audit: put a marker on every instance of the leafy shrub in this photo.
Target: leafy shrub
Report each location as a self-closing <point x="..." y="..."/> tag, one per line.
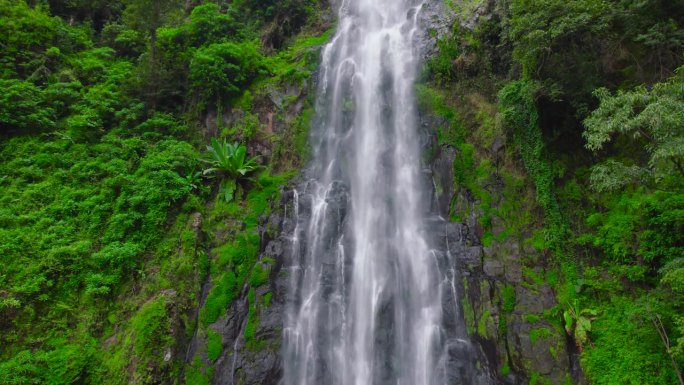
<point x="538" y="26"/>
<point x="285" y="18"/>
<point x="627" y="348"/>
<point x="26" y="32"/>
<point x="441" y="67"/>
<point x="206" y="25"/>
<point x="221" y="70"/>
<point x="89" y="212"/>
<point x="23" y="107"/>
<point x="652" y="118"/>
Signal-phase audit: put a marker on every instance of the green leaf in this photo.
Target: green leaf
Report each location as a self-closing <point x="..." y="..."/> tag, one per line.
<point x="583" y="324"/>
<point x="228" y="187"/>
<point x="568" y="321"/>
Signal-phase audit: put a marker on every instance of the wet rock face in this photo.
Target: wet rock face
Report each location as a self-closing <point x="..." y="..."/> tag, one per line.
<point x="510" y="313"/>
<point x="241" y="364"/>
<point x="260" y="363"/>
<point x="435" y="21"/>
<point x="510" y="310"/>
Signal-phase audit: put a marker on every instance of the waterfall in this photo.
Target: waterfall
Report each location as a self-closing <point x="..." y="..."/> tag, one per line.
<point x="367" y="289"/>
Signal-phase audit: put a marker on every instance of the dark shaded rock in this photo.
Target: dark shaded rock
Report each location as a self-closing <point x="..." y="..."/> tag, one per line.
<point x="494" y="269"/>
<point x="497" y="145"/>
<point x="443" y="177"/>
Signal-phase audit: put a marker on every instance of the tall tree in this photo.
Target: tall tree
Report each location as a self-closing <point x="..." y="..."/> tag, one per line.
<point x="146" y="16"/>
<point x="651" y="116"/>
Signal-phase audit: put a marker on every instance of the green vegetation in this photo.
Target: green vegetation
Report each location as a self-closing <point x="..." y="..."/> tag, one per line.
<point x="589" y="102"/>
<point x="653" y="118"/>
<point x="237" y="270"/>
<point x="214" y="345"/>
<point x="520" y="116"/>
<point x="578" y="324"/>
<point x="108" y="224"/>
<point x="222" y="70"/>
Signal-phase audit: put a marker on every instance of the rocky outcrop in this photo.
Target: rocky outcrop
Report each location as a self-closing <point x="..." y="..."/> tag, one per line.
<point x="260" y="362"/>
<point x="506" y="285"/>
<point x="508" y="305"/>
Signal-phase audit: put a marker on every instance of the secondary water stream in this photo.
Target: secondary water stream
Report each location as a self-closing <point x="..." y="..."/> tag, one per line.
<point x="368" y="288"/>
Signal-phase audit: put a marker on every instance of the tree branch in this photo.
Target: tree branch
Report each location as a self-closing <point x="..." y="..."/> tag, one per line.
<point x="660" y="328"/>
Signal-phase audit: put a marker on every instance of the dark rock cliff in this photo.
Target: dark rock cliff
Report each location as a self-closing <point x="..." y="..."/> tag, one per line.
<point x="509" y="314"/>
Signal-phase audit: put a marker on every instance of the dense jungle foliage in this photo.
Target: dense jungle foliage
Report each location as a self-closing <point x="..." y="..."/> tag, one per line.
<point x="106" y="189"/>
<point x="590" y="101"/>
<point x="109" y="224"/>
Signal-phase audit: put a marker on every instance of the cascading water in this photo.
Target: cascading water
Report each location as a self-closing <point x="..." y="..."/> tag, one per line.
<point x="367" y="290"/>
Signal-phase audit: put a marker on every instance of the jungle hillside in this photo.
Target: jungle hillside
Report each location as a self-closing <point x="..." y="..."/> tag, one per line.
<point x="148" y="146"/>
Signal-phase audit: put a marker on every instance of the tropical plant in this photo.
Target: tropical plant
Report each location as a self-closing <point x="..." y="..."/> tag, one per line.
<point x="578" y="324"/>
<point x="230" y="162"/>
<point x="194" y="181"/>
